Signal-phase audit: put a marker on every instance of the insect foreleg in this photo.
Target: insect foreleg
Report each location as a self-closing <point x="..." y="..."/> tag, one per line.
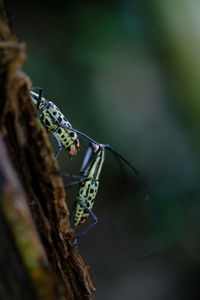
<point x="94" y="218"/>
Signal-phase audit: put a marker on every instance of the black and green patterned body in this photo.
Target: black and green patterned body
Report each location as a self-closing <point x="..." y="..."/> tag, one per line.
<point x="55" y="122"/>
<point x="89" y="188"/>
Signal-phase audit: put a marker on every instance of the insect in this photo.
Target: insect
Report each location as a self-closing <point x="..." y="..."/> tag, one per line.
<point x="57" y="124"/>
<point x="66" y="137"/>
<point x="88" y="186"/>
<point x="90" y="170"/>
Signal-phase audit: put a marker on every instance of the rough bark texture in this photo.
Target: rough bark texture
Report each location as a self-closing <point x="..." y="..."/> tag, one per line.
<point x="37" y="259"/>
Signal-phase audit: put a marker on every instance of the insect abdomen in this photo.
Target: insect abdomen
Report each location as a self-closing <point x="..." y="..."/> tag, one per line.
<point x="86" y="194"/>
<point x="69" y="140"/>
<point x="67" y="137"/>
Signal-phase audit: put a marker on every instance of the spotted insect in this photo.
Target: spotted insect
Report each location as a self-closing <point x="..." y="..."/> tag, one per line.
<point x="90" y="170"/>
<point x="57" y="124"/>
<point x="88" y="187"/>
<point x="66" y="137"/>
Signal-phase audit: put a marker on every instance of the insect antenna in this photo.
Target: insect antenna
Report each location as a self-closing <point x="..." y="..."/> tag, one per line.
<point x="121" y="166"/>
<point x="151" y="203"/>
<point x="138" y="174"/>
<point x="84" y="135"/>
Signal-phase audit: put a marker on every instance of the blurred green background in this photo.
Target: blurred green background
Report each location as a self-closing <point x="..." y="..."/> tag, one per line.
<point x="127" y="73"/>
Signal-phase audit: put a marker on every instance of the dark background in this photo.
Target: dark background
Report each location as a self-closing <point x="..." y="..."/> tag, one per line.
<point x="127" y="73"/>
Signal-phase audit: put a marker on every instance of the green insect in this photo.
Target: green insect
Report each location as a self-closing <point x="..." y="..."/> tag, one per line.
<point x="57" y="124"/>
<point x="88" y="187"/>
<point x="90" y="170"/>
<point x="66" y="137"/>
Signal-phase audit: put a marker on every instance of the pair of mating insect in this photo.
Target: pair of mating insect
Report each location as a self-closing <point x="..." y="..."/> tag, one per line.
<point x="66" y="137"/>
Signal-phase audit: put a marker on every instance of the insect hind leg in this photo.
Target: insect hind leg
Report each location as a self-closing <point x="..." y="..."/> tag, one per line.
<point x="90" y="226"/>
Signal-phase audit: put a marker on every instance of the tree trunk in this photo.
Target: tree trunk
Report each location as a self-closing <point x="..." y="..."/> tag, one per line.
<point x="36" y="255"/>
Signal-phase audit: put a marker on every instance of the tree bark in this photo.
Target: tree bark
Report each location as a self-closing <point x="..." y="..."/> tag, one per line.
<point x="37" y="258"/>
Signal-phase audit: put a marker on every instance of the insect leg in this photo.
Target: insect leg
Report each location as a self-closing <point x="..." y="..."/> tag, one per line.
<point x="58" y="144"/>
<point x="71" y="184"/>
<point x="94" y="218"/>
<point x="75" y="176"/>
<point x="38" y="96"/>
<point x="84" y="164"/>
<point x="40" y="100"/>
<point x="81" y="178"/>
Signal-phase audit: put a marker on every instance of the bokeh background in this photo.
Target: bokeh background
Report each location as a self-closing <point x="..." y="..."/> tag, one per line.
<point x="127" y="73"/>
